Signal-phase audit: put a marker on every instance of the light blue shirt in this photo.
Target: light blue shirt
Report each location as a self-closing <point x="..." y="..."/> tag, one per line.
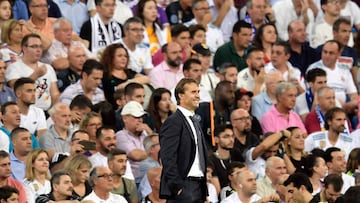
<point x="17" y="167"/>
<point x="260" y="105"/>
<point x="76" y="12"/>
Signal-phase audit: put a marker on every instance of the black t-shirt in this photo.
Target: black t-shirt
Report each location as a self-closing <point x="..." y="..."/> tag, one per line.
<point x="110" y="82"/>
<point x="237" y="153"/>
<point x="220" y="169"/>
<point x="66" y="78"/>
<point x="174" y="12"/>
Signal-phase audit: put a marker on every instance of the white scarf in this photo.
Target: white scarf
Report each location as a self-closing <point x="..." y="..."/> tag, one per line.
<point x="100" y="36"/>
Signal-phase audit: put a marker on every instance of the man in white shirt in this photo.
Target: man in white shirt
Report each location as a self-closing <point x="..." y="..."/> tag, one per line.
<point x="139" y="53"/>
<point x="336" y="163"/>
<point x="339" y="77"/>
<point x="246" y="190"/>
<point x="334" y="135"/>
<point x="252" y="78"/>
<point x="101" y="178"/>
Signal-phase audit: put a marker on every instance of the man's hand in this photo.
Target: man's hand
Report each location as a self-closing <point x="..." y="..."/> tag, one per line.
<point x="143" y="126"/>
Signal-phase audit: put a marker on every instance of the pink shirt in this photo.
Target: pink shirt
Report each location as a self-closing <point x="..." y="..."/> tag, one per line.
<point x="158" y="57"/>
<point x="16" y="184"/>
<point x="163" y="76"/>
<point x="274" y="121"/>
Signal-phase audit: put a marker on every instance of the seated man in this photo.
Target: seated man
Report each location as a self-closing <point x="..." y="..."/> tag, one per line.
<point x="130" y="139"/>
<point x="91" y="76"/>
<point x="299" y="188"/>
<point x="281" y="115"/>
<point x="331" y="190"/>
<point x="61" y="189"/>
<point x="339" y="77"/>
<point x="9" y="194"/>
<point x="101" y="178"/>
<point x="57" y="54"/>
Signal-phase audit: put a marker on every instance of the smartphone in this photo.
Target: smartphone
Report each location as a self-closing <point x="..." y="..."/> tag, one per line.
<point x="88" y="145"/>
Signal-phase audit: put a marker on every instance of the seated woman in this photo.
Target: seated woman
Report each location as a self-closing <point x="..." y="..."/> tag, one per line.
<point x="79" y="168"/>
<point x="90" y="123"/>
<point x="353" y="163"/>
<point x="294" y="151"/>
<point x="316" y="169"/>
<point x="115" y="59"/>
<point x="155" y="35"/>
<point x="37" y="175"/>
<point x="160" y="107"/>
<point x="265" y="37"/>
<point x="11" y="36"/>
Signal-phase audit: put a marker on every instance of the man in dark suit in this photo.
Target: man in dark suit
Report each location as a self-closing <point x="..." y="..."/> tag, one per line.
<point x="183" y="149"/>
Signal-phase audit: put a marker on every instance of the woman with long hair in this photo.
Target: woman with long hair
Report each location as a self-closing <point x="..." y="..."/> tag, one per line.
<point x="115" y="59"/>
<point x="155" y="35"/>
<point x="160" y="106"/>
<point x="37" y="175"/>
<point x="294" y="147"/>
<point x="353" y="163"/>
<point x="264" y="38"/>
<point x="79" y="168"/>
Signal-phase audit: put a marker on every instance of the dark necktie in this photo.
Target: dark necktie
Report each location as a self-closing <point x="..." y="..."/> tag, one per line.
<point x="195" y="119"/>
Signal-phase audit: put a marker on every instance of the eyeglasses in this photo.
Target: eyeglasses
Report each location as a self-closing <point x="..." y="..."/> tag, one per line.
<point x="94" y="125"/>
<point x="35" y="46"/>
<point x="40" y="5"/>
<point x="107" y="176"/>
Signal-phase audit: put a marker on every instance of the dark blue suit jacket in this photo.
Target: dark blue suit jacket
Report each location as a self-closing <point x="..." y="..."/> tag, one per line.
<point x="177" y="153"/>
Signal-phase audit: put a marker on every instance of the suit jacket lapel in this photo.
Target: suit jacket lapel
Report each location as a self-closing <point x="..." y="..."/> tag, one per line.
<point x="188" y="127"/>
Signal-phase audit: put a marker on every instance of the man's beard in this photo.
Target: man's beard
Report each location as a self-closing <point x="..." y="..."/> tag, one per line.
<point x="174" y="63"/>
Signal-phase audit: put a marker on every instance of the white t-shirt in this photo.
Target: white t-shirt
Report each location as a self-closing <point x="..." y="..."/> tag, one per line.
<point x="34" y="120"/>
<point x="321" y="140"/>
<point x="43" y="98"/>
<point x="34" y="189"/>
<point x="339" y="79"/>
<point x="348" y="182"/>
<point x="5" y="141"/>
<point x="234" y="198"/>
<point x="256" y="166"/>
<point x="113" y="198"/>
<point x="140" y="58"/>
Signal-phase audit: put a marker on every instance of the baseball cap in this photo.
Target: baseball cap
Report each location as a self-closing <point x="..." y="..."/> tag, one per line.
<point x="241" y="92"/>
<point x="202" y="49"/>
<point x="133" y="108"/>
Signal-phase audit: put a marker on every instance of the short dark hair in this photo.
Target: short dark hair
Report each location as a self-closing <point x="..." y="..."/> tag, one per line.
<point x="329" y="115"/>
<point x="15" y="132"/>
<point x="180" y="87"/>
<point x="99" y="131"/>
<point x="98" y="2"/>
<point x="81" y="101"/>
<point x="115" y="152"/>
<point x="21" y="82"/>
<point x="55" y="179"/>
<point x="240" y="24"/>
<point x="6" y="192"/>
<point x="194" y="28"/>
<point x="76" y="132"/>
<point x="313" y="73"/>
<point x="233" y="165"/>
<point x="195" y="2"/>
<point x="338" y="22"/>
<point x="221" y="128"/>
<point x="189" y="62"/>
<point x="90" y="65"/>
<point x="253" y="50"/>
<point x="177" y="29"/>
<point x="352" y="195"/>
<point x="5" y="105"/>
<point x="335" y="180"/>
<point x="3" y="154"/>
<point x="334" y="42"/>
<point x="131" y="87"/>
<point x="328" y="152"/>
<point x="223" y="67"/>
<point x="284" y="44"/>
<point x="25" y="40"/>
<point x="132" y="20"/>
<point x="299" y="179"/>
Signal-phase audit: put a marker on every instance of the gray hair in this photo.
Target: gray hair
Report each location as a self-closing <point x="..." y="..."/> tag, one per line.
<point x="148" y="143"/>
<point x="57" y="23"/>
<point x="281" y="87"/>
<point x="56" y="108"/>
<point x="93" y="176"/>
<point x="322" y="89"/>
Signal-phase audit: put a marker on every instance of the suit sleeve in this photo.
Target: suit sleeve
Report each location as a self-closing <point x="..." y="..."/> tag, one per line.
<point x="170" y="134"/>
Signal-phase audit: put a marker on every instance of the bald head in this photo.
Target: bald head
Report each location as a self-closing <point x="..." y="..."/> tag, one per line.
<point x="238" y="113"/>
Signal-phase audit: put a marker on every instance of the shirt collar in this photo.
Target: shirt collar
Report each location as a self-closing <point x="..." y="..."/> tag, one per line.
<point x="185" y="111"/>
